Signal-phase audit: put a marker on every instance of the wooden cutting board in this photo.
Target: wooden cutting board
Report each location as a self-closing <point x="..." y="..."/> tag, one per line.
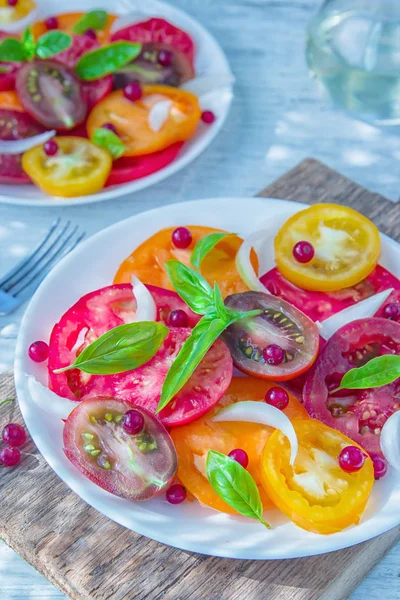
<point x="88" y="556"/>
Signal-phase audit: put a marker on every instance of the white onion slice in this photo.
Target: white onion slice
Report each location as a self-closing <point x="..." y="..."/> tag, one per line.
<point x="265" y="414"/>
<point x="21" y="24"/>
<point x="390" y="440"/>
<point x="128" y="19"/>
<point x="20" y="146"/>
<point x="159" y="114"/>
<point x="209" y="83"/>
<point x="243" y="261"/>
<point x="48" y="401"/>
<point x="361" y="310"/>
<point x="146" y="307"/>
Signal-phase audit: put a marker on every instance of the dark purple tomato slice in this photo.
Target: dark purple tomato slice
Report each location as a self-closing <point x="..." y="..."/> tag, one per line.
<point x="15" y="125"/>
<point x="360" y="414"/>
<point x="146" y="68"/>
<point x="135" y="467"/>
<point x="321" y="305"/>
<point x="51" y="94"/>
<point x="280" y="325"/>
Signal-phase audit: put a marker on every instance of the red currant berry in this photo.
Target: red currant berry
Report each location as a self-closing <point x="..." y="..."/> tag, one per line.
<point x="165" y="58"/>
<point x="391" y="311"/>
<point x="90" y="33"/>
<point x="133" y="91"/>
<point x="351" y="459"/>
<point x="12" y="2"/>
<point x="178" y="318"/>
<point x="110" y="127"/>
<point x="208" y="117"/>
<point x="278" y="397"/>
<point x="181" y="238"/>
<point x="9" y="457"/>
<point x="133" y="422"/>
<point x="50" y="148"/>
<point x="14" y="435"/>
<point x="38" y="351"/>
<point x="240" y="456"/>
<point x="176" y="494"/>
<point x="303" y="252"/>
<point x="273" y="354"/>
<point x="380" y="466"/>
<point x="51" y="23"/>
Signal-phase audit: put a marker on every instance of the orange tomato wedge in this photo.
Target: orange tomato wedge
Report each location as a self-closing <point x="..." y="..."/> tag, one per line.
<point x="67" y="21"/>
<point x="192" y="442"/>
<point x="10" y="101"/>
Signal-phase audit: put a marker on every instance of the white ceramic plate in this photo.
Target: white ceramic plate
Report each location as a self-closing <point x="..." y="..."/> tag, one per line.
<point x="210" y="60"/>
<point x="188" y="526"/>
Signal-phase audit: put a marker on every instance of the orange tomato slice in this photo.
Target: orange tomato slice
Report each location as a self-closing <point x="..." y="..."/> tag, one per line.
<point x="131" y="119"/>
<point x="147" y="261"/>
<point x="67" y="21"/>
<point x="10" y="101"/>
<point x="192" y="442"/>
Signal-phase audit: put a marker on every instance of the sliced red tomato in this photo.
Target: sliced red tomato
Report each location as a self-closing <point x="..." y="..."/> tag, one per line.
<point x="158" y="31"/>
<point x="135" y="467"/>
<point x="15" y="125"/>
<point x="293" y="335"/>
<point x="360" y="414"/>
<point x="321" y="305"/>
<point x="51" y="94"/>
<point x="131" y="168"/>
<point x="167" y="301"/>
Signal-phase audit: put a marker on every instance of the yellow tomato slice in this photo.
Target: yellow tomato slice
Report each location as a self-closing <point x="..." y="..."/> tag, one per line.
<point x="79" y="168"/>
<point x="67" y="21"/>
<point x="131" y="119"/>
<point x="9" y="14"/>
<point x="347" y="248"/>
<point x="193" y="441"/>
<point x="315" y="493"/>
<point x="147" y="261"/>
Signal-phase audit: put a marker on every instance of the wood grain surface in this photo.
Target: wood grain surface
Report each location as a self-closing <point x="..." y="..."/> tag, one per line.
<point x="88" y="556"/>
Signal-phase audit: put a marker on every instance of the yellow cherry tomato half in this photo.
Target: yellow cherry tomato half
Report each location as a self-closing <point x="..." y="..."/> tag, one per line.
<point x="79" y="168"/>
<point x="346" y="248"/>
<point x="10" y="14"/>
<point x="315" y="492"/>
<point x="132" y="122"/>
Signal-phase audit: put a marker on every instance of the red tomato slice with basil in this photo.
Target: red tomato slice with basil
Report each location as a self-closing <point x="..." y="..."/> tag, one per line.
<point x="359" y="414"/>
<point x="321" y="305"/>
<point x="127" y="169"/>
<point x="158" y="31"/>
<point x="134" y="467"/>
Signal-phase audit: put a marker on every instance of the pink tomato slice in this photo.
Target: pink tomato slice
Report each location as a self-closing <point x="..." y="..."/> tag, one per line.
<point x="135" y="467"/>
<point x="321" y="305"/>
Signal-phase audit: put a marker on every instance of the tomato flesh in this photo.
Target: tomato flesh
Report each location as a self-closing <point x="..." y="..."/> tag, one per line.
<point x="279" y="324"/>
<point x="360" y="414"/>
<point x="321" y="305"/>
<point x="134" y="467"/>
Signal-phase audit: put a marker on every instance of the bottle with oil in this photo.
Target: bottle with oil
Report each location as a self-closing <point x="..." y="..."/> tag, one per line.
<point x="353" y="49"/>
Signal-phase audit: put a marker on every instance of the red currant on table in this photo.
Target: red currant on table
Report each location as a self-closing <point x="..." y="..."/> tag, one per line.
<point x="351" y="459"/>
<point x="14" y="435"/>
<point x="273" y="355"/>
<point x="181" y="238"/>
<point x="303" y="252"/>
<point x="380" y="465"/>
<point x="38" y="351"/>
<point x="133" y="422"/>
<point x="278" y="397"/>
<point x="178" y="318"/>
<point x="240" y="456"/>
<point x="208" y="117"/>
<point x="176" y="494"/>
<point x="9" y="457"/>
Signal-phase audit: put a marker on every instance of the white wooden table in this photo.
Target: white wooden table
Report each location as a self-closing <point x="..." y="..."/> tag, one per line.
<point x="278" y="118"/>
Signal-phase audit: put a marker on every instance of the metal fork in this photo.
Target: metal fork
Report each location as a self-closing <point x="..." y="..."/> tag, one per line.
<point x="19" y="284"/>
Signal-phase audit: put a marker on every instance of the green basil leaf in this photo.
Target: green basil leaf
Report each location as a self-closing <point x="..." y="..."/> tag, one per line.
<point x="51" y="43"/>
<point x="121" y="349"/>
<point x="377" y="372"/>
<point x="220" y="307"/>
<point x="95" y="19"/>
<point x="190" y="286"/>
<point x="234" y="485"/>
<point x="11" y="50"/>
<point x="29" y="44"/>
<point x="204" y="246"/>
<point x="108" y="140"/>
<point x="204" y="334"/>
<point x="106" y="60"/>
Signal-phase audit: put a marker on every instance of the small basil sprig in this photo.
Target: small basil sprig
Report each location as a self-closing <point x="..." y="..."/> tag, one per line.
<point x="204" y="246"/>
<point x="95" y="19"/>
<point x="202" y="299"/>
<point x="234" y="485"/>
<point x="377" y="372"/>
<point x="110" y="141"/>
<point x="48" y="45"/>
<point x="106" y="60"/>
<point x="121" y="349"/>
